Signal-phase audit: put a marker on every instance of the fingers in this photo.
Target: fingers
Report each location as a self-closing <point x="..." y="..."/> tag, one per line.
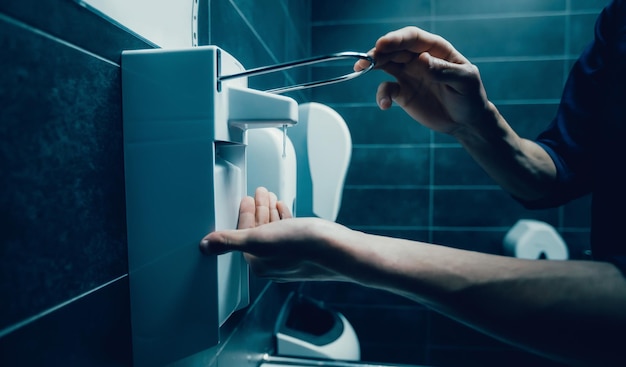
<point x="263" y="208"/>
<point x="386" y="93"/>
<point x="221" y="242"/>
<point x="268" y="208"/>
<point x="363" y="64"/>
<point x="423" y="69"/>
<point x="283" y="210"/>
<point x="403" y="45"/>
<point x="400" y="57"/>
<point x="460" y="77"/>
<point x="456" y="73"/>
<point x="247" y="213"/>
<point x="262" y="203"/>
<point x="417" y="40"/>
<point x="253" y="212"/>
<point x="274" y="215"/>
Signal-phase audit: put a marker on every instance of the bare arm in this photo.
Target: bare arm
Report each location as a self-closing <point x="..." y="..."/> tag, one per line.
<point x="569" y="311"/>
<point x="565" y="310"/>
<point x="518" y="165"/>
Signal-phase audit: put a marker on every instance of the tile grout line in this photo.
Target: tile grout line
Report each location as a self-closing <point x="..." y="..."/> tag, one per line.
<point x="39" y="32"/>
<point x="34" y="318"/>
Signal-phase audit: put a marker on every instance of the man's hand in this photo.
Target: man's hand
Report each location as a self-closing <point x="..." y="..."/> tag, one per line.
<point x="435" y="84"/>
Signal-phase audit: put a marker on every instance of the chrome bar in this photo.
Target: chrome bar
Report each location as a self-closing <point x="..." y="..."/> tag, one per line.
<point x="305" y="62"/>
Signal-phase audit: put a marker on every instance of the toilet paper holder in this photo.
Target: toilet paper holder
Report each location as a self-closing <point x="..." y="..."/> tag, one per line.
<point x="534" y="239"/>
<point x="304" y="62"/>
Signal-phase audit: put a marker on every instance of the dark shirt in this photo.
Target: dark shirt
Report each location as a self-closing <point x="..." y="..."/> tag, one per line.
<point x="587" y="138"/>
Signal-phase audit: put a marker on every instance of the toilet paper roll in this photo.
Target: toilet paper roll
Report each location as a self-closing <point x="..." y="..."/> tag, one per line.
<point x="533" y="239"/>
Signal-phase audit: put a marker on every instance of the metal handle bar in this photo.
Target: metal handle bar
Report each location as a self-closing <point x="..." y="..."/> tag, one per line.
<point x="310" y="61"/>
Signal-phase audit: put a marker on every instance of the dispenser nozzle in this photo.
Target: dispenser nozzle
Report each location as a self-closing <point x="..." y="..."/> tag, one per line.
<point x="250" y="108"/>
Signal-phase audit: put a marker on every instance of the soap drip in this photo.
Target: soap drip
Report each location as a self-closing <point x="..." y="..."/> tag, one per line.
<point x="284" y="141"/>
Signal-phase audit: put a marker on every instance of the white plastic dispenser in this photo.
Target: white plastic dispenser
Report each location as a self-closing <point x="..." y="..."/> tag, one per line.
<point x="185" y="166"/>
<point x="272" y="164"/>
<point x="323" y="147"/>
<point x="306" y="166"/>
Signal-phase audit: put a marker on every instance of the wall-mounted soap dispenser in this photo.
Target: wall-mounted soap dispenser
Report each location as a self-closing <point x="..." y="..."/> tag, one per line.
<point x="185" y="167"/>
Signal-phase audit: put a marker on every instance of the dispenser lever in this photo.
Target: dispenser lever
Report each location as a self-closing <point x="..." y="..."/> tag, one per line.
<point x="304" y="62"/>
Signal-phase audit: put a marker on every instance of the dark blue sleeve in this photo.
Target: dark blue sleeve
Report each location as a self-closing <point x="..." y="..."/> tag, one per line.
<point x="569" y="138"/>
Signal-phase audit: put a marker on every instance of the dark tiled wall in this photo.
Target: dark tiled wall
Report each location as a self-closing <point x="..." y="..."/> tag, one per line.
<point x="409" y="182"/>
<point x="63" y="264"/>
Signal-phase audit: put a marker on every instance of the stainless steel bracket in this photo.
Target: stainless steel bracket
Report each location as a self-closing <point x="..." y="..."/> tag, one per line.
<point x="305" y="62"/>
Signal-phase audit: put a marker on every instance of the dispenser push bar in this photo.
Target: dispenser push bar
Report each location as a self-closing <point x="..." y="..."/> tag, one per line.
<point x="305" y="62"/>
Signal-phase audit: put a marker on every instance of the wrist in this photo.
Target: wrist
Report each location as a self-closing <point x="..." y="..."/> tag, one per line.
<point x="486" y="126"/>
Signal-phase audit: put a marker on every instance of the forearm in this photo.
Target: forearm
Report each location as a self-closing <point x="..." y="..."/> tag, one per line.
<point x="519" y="166"/>
<point x="562" y="309"/>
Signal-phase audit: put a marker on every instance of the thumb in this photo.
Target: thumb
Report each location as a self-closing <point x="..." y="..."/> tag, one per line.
<point x="221" y="242"/>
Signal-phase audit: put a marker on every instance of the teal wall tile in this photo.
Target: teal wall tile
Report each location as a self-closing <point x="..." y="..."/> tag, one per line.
<point x="368" y="11"/>
<point x="389" y="166"/>
<point x="487" y="240"/>
<point x="487" y="7"/>
<point x="369" y="124"/>
<point x="64" y="227"/>
<point x="524" y="36"/>
<point x="453" y="166"/>
<point x="353" y="37"/>
<point x="588" y="5"/>
<point x="381" y="207"/>
<point x="477" y="207"/>
<point x="582" y="30"/>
